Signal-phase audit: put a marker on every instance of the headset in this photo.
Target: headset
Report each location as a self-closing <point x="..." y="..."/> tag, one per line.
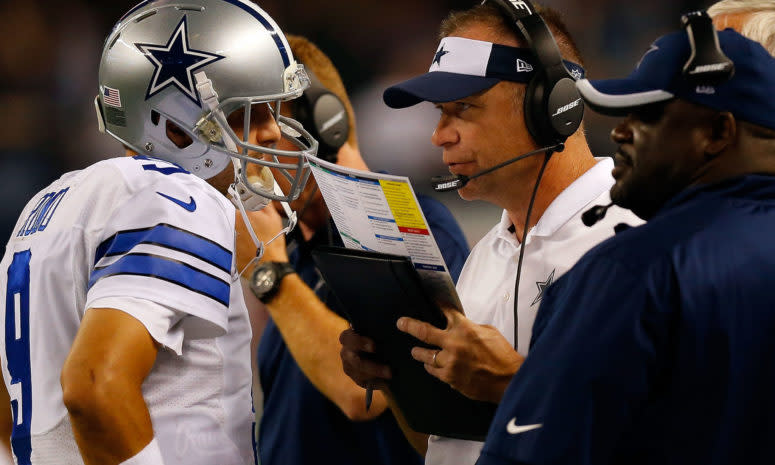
<point x="707" y="64"/>
<point x="325" y="116"/>
<point x="553" y="107"/>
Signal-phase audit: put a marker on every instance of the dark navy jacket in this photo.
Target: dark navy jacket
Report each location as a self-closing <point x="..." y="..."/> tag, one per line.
<point x="658" y="347"/>
<point x="300" y="425"/>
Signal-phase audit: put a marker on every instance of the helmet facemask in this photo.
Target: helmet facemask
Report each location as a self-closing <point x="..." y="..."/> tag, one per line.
<point x="216" y="129"/>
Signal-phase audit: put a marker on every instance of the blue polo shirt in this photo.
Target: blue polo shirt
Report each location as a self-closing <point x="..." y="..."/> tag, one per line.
<point x="658" y="347"/>
<point x="300" y="426"/>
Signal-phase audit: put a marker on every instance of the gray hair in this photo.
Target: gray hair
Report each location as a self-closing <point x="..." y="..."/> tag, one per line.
<point x="760" y="23"/>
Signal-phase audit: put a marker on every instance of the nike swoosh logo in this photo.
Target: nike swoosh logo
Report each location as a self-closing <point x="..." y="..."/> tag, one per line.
<point x="514" y="428"/>
<point x="190" y="205"/>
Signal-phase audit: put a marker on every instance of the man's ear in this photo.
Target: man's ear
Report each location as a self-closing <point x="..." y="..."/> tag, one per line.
<point x="722" y="134"/>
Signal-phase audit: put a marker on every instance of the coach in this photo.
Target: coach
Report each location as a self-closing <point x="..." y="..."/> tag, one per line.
<point x="489" y="87"/>
<point x="657" y="346"/>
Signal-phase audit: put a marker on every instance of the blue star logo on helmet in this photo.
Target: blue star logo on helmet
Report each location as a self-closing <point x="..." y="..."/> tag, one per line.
<point x="174" y="63"/>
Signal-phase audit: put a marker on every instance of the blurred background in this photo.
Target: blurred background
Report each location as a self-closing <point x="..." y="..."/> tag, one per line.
<point x="50" y="55"/>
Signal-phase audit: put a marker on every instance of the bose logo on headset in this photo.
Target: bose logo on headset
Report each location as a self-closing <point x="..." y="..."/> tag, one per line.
<point x="567" y="107"/>
<point x="711" y="67"/>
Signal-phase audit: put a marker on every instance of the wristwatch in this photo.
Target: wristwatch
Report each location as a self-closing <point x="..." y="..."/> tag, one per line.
<point x="266" y="279"/>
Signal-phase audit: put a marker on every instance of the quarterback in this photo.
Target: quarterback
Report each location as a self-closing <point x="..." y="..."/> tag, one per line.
<point x="126" y="337"/>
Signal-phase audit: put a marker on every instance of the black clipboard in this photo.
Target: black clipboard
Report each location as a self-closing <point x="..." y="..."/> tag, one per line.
<point x="375" y="289"/>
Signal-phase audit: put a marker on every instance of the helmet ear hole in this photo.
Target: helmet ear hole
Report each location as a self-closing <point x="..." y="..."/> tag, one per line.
<point x="177" y="135"/>
<point x="155" y="117"/>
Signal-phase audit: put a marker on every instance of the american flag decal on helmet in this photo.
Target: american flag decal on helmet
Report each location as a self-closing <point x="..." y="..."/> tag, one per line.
<point x="111" y="97"/>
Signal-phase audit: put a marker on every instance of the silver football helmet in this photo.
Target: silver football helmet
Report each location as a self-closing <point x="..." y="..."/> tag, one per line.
<point x="193" y="63"/>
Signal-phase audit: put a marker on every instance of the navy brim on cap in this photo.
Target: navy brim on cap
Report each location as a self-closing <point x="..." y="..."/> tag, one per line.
<point x="436" y="87"/>
<point x="749" y="94"/>
<point x="618" y="97"/>
<point x="463" y="67"/>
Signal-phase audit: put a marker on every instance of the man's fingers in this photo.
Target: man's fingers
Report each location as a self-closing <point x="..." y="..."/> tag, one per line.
<point x="452" y="315"/>
<point x="425" y="356"/>
<point x="433" y="361"/>
<point x="423" y="331"/>
<point x="355" y="342"/>
<point x="356" y="363"/>
<point x="365" y="373"/>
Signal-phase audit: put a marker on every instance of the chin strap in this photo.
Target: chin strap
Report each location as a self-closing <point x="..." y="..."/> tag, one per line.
<point x="288" y="212"/>
<point x="259" y="244"/>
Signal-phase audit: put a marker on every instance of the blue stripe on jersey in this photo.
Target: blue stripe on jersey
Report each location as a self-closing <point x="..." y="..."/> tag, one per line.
<point x="168" y="236"/>
<point x="166" y="269"/>
<point x="268" y="25"/>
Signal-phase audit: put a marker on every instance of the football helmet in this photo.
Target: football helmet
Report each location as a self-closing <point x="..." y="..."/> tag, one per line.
<point x="193" y="64"/>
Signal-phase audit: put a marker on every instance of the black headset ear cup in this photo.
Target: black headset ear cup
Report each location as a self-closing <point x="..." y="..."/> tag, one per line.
<point x="329" y="118"/>
<point x="324" y="116"/>
<point x="547" y="127"/>
<point x="568" y="106"/>
<point x="535" y="113"/>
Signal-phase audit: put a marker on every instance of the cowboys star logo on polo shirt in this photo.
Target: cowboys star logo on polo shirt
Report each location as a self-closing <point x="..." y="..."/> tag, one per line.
<point x="542" y="285"/>
<point x="175" y="62"/>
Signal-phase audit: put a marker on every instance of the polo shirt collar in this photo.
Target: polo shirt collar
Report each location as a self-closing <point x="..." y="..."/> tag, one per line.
<point x="584" y="190"/>
<point x="575" y="197"/>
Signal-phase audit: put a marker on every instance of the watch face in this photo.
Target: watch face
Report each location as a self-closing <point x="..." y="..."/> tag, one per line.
<point x="267" y="277"/>
<point x="264" y="280"/>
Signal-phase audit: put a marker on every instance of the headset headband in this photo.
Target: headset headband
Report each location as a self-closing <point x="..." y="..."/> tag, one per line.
<point x="553" y="107"/>
<point x="707" y="64"/>
<point x="536" y="33"/>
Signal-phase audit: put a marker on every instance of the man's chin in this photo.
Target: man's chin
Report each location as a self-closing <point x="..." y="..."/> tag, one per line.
<point x="640" y="206"/>
<point x="466" y="194"/>
<point x="618" y="195"/>
<point x="622" y="197"/>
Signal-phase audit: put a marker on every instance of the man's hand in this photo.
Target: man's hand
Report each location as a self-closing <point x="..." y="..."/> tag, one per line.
<point x="474" y="359"/>
<point x="267" y="223"/>
<point x="366" y="373"/>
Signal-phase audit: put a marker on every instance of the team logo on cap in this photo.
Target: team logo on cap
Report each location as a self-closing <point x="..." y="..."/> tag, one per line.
<point x="440" y="53"/>
<point x="652" y="48"/>
<point x="576" y="73"/>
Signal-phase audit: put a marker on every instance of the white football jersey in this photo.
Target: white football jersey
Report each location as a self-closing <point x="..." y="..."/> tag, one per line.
<point x="143" y="236"/>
